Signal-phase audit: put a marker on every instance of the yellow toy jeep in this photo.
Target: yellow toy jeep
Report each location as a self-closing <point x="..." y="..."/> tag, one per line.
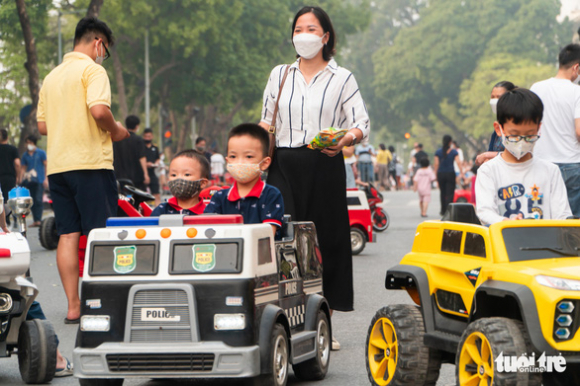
<point x="501" y="302"/>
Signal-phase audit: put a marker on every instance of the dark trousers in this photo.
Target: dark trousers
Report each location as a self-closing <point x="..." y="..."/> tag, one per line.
<point x="446" y="181"/>
<point x="36" y="191"/>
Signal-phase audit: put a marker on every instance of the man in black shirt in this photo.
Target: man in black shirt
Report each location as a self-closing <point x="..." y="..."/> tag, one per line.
<point x="9" y="164"/>
<point x="130" y="161"/>
<point x="152" y="156"/>
<point x="419" y="155"/>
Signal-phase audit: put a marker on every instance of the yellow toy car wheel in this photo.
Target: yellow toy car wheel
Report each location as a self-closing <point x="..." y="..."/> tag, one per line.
<point x="395" y="352"/>
<point x="482" y="343"/>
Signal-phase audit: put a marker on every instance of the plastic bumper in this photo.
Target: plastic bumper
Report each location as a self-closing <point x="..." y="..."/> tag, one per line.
<point x="228" y="361"/>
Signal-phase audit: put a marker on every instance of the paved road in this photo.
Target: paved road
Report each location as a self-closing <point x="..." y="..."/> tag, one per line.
<point x="347" y="365"/>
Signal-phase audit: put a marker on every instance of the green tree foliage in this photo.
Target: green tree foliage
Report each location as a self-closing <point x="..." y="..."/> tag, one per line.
<point x="426" y="76"/>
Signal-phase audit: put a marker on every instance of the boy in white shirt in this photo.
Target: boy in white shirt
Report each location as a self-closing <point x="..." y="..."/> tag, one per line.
<point x="516" y="185"/>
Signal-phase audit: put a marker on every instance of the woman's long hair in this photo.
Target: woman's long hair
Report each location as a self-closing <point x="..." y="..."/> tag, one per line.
<point x="446" y="144"/>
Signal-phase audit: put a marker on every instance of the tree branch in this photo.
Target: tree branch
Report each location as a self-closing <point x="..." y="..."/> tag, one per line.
<point x="94" y="8"/>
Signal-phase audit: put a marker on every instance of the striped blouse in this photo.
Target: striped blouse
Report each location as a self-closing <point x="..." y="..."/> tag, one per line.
<point x="332" y="99"/>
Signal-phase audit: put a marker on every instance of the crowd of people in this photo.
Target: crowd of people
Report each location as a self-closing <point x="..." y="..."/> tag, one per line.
<point x="88" y="151"/>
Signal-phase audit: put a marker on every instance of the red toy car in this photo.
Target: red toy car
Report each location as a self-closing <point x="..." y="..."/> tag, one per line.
<point x="360" y="218"/>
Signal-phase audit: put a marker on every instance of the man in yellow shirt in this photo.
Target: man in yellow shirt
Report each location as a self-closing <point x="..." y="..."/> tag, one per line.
<point x="384" y="157"/>
<point x="74" y="113"/>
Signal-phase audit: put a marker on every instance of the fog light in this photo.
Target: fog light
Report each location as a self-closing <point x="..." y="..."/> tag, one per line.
<point x="5" y="303"/>
<point x="563" y="333"/>
<point x="95" y="323"/>
<point x="229" y="321"/>
<point x="566" y="307"/>
<point x="564" y="320"/>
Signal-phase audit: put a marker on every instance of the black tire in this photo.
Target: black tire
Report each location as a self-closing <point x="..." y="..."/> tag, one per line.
<point x="101" y="382"/>
<point x="400" y="326"/>
<point x="358" y="240"/>
<point x="485" y="339"/>
<point x="316" y="368"/>
<point x="37" y="351"/>
<point x="381" y="220"/>
<point x="462" y="200"/>
<point x="279" y="359"/>
<point x="47" y="234"/>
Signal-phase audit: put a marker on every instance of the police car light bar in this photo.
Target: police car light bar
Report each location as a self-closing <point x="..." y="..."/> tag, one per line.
<point x="132" y="221"/>
<point x="214" y="219"/>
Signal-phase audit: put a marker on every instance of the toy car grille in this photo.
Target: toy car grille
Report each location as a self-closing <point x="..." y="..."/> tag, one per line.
<point x="176" y="328"/>
<point x="160" y="362"/>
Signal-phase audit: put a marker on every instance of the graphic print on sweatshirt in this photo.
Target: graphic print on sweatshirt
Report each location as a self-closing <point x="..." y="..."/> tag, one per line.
<point x="514" y="200"/>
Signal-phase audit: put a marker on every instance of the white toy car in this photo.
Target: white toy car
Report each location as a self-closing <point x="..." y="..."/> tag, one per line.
<point x="202" y="296"/>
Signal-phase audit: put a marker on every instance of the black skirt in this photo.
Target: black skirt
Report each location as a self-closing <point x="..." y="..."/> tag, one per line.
<point x="313" y="186"/>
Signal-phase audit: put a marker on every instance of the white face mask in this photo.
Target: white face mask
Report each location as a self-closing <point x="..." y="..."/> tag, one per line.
<point x="307" y="45"/>
<point x="100" y="59"/>
<point x="493" y="104"/>
<point x="30" y="147"/>
<point x="517" y="149"/>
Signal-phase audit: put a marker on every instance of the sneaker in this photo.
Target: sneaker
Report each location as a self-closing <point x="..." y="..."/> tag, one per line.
<point x="335" y="344"/>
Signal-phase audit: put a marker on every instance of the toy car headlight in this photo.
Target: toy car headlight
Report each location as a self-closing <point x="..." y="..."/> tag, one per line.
<point x="559" y="283"/>
<point x="229" y="321"/>
<point x="95" y="323"/>
<point x="20" y="205"/>
<point x="5" y="303"/>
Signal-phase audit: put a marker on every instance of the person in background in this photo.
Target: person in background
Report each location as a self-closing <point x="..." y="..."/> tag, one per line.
<point x="218" y="163"/>
<point x="399" y="171"/>
<point x="445" y="157"/>
<point x="422" y="181"/>
<point x="384" y="158"/>
<point x="9" y="164"/>
<point x="560" y="137"/>
<point x="458" y="164"/>
<point x="393" y="168"/>
<point x="74" y="113"/>
<point x="495" y="142"/>
<point x="201" y="146"/>
<point x="130" y="156"/>
<point x="418" y="156"/>
<point x="153" y="160"/>
<point x="364" y="153"/>
<point x="188" y="176"/>
<point x="33" y="176"/>
<point x="350" y="166"/>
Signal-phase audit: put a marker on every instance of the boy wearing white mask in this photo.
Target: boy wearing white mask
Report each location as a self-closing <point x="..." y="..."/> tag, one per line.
<point x="516" y="185"/>
<point x="247" y="158"/>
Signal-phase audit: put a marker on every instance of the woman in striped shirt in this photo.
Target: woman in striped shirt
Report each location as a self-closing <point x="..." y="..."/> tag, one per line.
<point x="317" y="94"/>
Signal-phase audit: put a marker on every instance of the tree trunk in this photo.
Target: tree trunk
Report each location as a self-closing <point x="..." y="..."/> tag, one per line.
<point x="94" y="8"/>
<point x="121" y="94"/>
<point x="31" y="65"/>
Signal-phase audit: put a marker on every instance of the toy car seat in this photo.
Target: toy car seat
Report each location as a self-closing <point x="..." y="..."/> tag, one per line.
<point x="287" y="231"/>
<point x="463" y="212"/>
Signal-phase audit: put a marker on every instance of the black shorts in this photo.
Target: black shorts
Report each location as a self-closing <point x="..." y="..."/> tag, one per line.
<point x="83" y="199"/>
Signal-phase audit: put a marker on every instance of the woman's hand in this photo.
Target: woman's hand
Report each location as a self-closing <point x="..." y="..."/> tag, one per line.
<point x="484" y="157"/>
<point x="345" y="141"/>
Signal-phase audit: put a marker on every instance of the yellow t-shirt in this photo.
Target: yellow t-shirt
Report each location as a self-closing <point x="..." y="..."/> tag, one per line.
<point x="74" y="141"/>
<point x="384" y="157"/>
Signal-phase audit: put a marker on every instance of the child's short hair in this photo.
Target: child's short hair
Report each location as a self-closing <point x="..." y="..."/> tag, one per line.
<point x="200" y="158"/>
<point x="424" y="162"/>
<point x="519" y="106"/>
<point x="255" y="131"/>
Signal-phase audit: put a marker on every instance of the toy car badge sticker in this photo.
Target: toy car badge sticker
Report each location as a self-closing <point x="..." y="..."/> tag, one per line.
<point x="93" y="303"/>
<point x="203" y="257"/>
<point x="472" y="275"/>
<point x="125" y="259"/>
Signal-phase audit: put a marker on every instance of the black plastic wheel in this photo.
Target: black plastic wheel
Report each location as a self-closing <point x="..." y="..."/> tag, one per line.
<point x="481" y="344"/>
<point x="279" y="359"/>
<point x="395" y="353"/>
<point x="316" y="368"/>
<point x="37" y="351"/>
<point x="101" y="382"/>
<point x="462" y="200"/>
<point x="358" y="240"/>
<point x="47" y="233"/>
<point x="381" y="220"/>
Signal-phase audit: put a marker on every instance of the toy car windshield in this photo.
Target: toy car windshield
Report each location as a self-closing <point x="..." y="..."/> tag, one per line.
<point x="536" y="243"/>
